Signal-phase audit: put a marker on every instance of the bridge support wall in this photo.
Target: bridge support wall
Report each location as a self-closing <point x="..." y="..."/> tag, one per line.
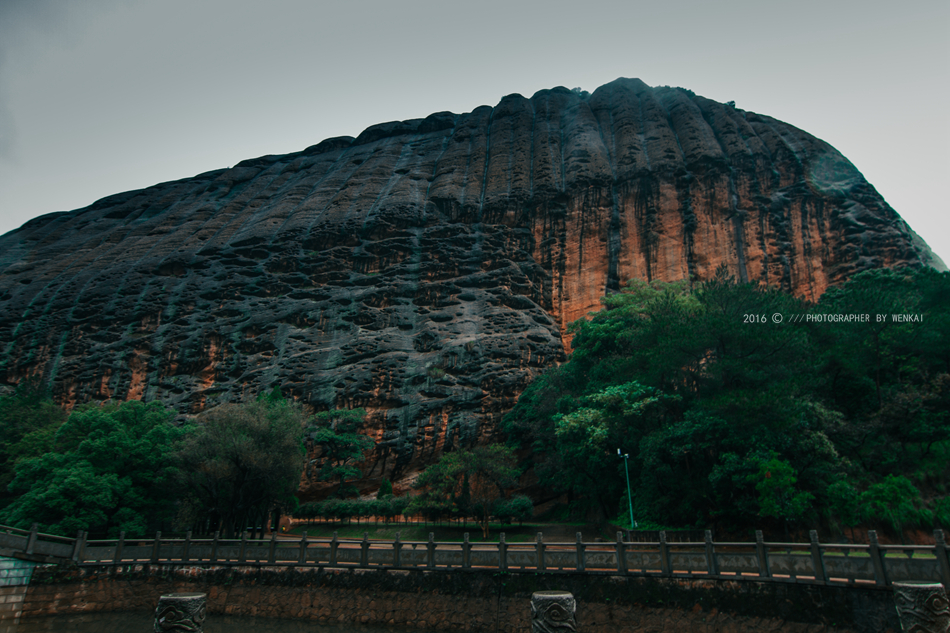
<point x="467" y="600"/>
<point x="14" y="580"/>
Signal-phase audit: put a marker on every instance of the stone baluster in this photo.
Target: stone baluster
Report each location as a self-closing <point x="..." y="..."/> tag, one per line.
<point x="539" y="547"/>
<point x="242" y="553"/>
<point x="466" y="552"/>
<point x="817" y="561"/>
<point x="502" y="552"/>
<point x="940" y="551"/>
<point x="78" y="546"/>
<point x="214" y="547"/>
<point x="922" y="607"/>
<point x="186" y="552"/>
<point x="712" y="565"/>
<point x="156" y="546"/>
<point x="272" y="554"/>
<point x="334" y="544"/>
<point x="763" y="555"/>
<point x="553" y="612"/>
<point x="621" y="554"/>
<point x="302" y="555"/>
<point x="579" y="550"/>
<point x="31" y="540"/>
<point x="118" y="548"/>
<point x="665" y="567"/>
<point x="877" y="560"/>
<point x="180" y="612"/>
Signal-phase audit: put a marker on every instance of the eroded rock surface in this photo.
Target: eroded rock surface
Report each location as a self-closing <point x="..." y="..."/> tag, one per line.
<point x="427" y="269"/>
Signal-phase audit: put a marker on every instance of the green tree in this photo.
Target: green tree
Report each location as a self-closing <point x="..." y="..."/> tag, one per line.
<point x="863" y="355"/>
<point x="586" y="439"/>
<point x="437" y="496"/>
<point x="385" y="489"/>
<point x="516" y="508"/>
<point x="779" y="498"/>
<point x="673" y="469"/>
<point x="842" y="504"/>
<point x="241" y="462"/>
<point x="29" y="420"/>
<point x="941" y="512"/>
<point x="338" y="447"/>
<point x="677" y="377"/>
<point x="894" y="500"/>
<point x="489" y="471"/>
<point x="724" y="389"/>
<point x="395" y="507"/>
<point x="890" y="379"/>
<point x="109" y="470"/>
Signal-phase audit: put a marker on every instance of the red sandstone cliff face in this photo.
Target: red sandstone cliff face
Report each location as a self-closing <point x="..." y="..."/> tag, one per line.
<point x="427" y="269"/>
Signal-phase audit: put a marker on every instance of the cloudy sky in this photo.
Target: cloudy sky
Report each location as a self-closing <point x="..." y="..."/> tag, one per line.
<point x="103" y="96"/>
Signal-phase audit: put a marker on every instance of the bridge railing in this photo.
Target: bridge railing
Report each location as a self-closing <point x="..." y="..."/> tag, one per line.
<point x="812" y="562"/>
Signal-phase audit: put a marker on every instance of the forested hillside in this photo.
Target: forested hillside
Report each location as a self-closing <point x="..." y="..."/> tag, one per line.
<point x="738" y="406"/>
<point x="833" y="416"/>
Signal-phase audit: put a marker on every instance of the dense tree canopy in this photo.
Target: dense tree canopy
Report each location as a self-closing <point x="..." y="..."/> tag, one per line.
<point x="29" y="420"/>
<point x="107" y="469"/>
<point x="738" y="405"/>
<point x="469" y="483"/>
<point x="128" y="466"/>
<point x="735" y="417"/>
<point x="241" y="462"/>
<point x="339" y="446"/>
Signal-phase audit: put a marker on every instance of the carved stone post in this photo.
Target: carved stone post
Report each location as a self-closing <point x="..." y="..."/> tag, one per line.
<point x="539" y="551"/>
<point x="621" y="555"/>
<point x="302" y="554"/>
<point x="156" y="546"/>
<point x="180" y="612"/>
<point x="78" y="546"/>
<point x="579" y="549"/>
<point x="940" y="551"/>
<point x="762" y="553"/>
<point x="242" y="553"/>
<point x="186" y="553"/>
<point x="665" y="567"/>
<point x="712" y="565"/>
<point x="334" y="544"/>
<point x="553" y="612"/>
<point x="214" y="547"/>
<point x="922" y="607"/>
<point x="821" y="574"/>
<point x="118" y="548"/>
<point x="31" y="541"/>
<point x="466" y="553"/>
<point x="877" y="560"/>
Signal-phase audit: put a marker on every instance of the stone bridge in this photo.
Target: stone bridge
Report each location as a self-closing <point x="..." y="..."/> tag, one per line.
<point x="812" y="562"/>
<point x="663" y="586"/>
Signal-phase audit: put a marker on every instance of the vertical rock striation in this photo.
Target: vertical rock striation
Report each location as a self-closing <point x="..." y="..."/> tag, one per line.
<point x="427" y="269"/>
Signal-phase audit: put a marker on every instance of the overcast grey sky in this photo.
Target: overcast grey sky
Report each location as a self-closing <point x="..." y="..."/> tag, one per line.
<point x="103" y="96"/>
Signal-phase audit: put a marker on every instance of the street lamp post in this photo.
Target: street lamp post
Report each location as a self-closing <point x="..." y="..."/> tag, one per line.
<point x="626" y="468"/>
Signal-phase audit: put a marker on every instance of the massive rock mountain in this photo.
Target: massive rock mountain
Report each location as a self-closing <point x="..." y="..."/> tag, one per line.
<point x="427" y="269"/>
